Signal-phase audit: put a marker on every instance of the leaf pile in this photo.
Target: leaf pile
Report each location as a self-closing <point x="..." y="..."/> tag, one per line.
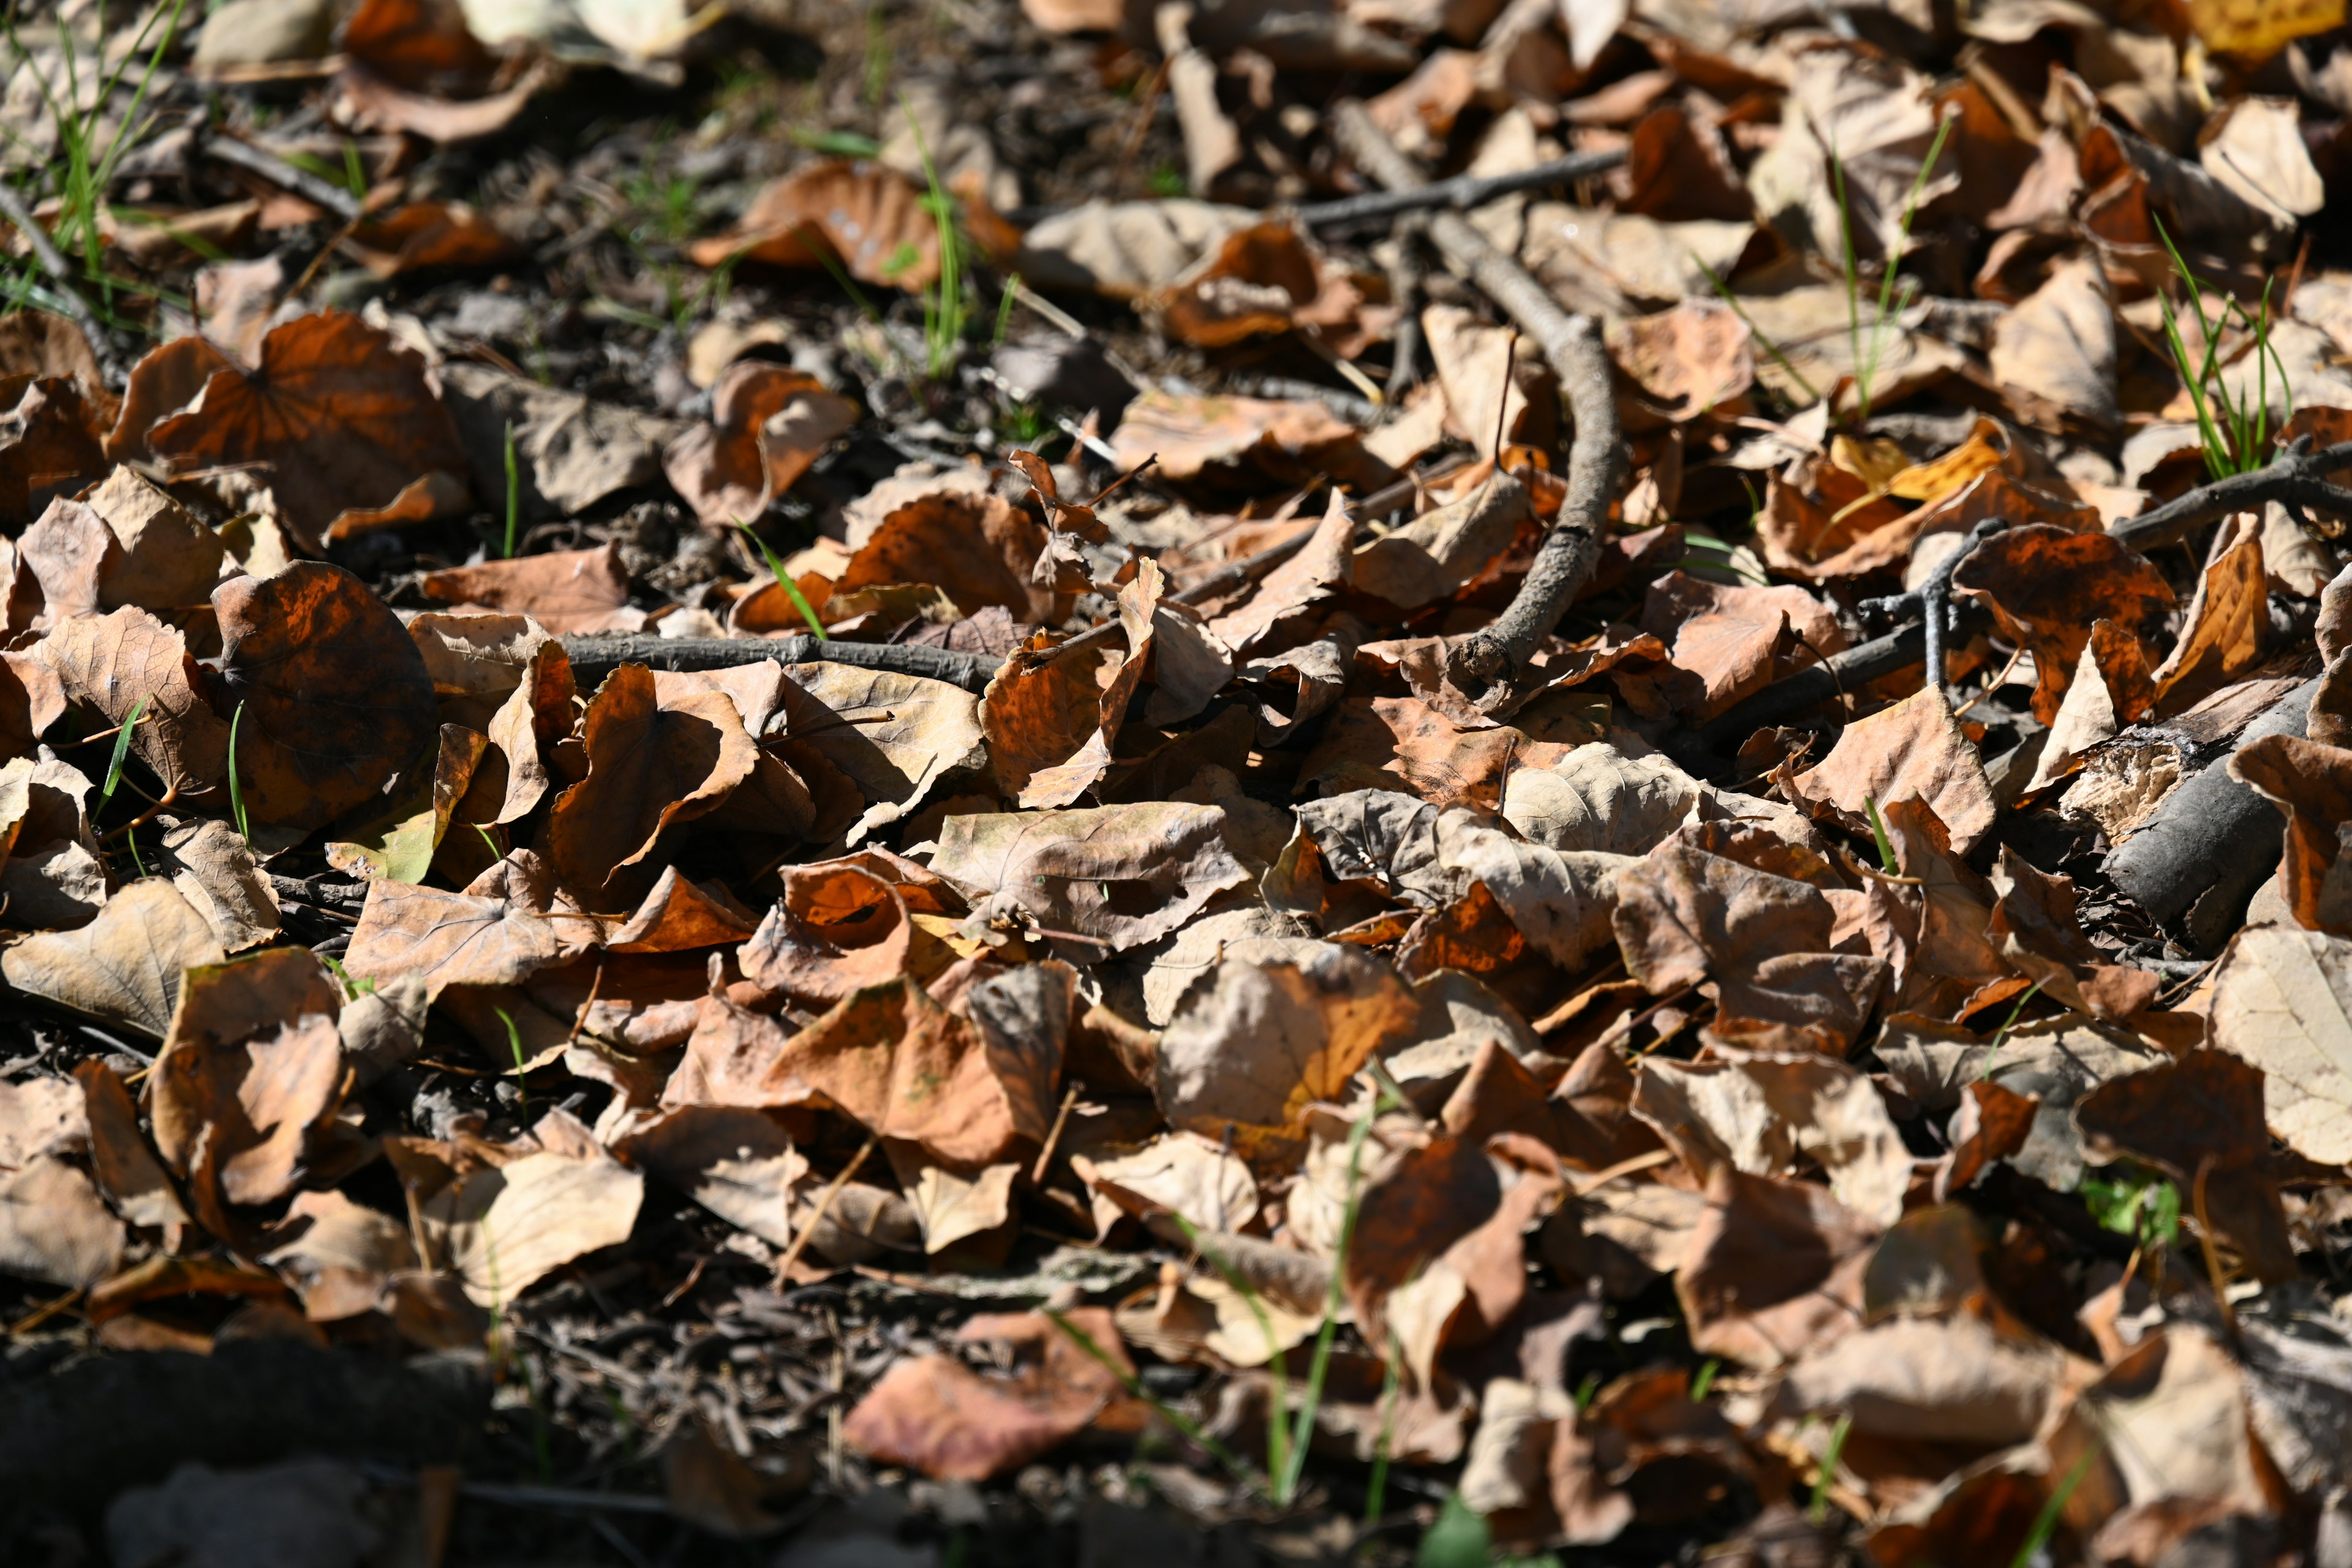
<point x="552" y="850"/>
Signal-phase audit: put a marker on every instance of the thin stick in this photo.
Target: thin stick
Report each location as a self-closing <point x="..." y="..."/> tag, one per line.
<point x="1485" y="661"/>
<point x="1461" y="192"/>
<point x="823" y="1208"/>
<point x="310" y="187"/>
<point x="61" y="273"/>
<point x="1061" y="1119"/>
<point x="579" y="1020"/>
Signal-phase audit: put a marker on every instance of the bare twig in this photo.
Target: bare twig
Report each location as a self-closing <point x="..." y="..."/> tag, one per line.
<point x="823" y="1208"/>
<point x="1482" y="661"/>
<point x="61" y="272"/>
<point x="594" y="657"/>
<point x="2296" y="479"/>
<point x="1461" y="192"/>
<point x="310" y="187"/>
<point x="1819" y="683"/>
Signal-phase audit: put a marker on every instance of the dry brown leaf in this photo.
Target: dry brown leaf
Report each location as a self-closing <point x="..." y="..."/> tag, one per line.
<point x="423" y="235"/>
<point x="341" y="415"/>
<point x="1774" y="1269"/>
<point x="505" y="1228"/>
<point x="2281" y="999"/>
<point x="496" y="932"/>
<point x="570" y="451"/>
<point x="2048" y="586"/>
<point x="2311" y="781"/>
<point x="1912" y="750"/>
<point x="1727" y="643"/>
<point x="253" y="1104"/>
<point x="1247" y="438"/>
<point x="977" y="548"/>
<point x="1685" y="917"/>
<point x="1115" y="876"/>
<point x="1257" y="1045"/>
<point x="114" y="662"/>
<point x="49" y="445"/>
<point x="651" y="763"/>
<point x="335" y="696"/>
<point x="868" y="219"/>
<point x="1765" y="1114"/>
<point x="2226" y="629"/>
<point x="121" y="543"/>
<point x="1050" y="722"/>
<point x="54" y="1228"/>
<point x="887" y="1057"/>
<point x="564" y="589"/>
<point x="839" y="928"/>
<point x="767" y="424"/>
<point x="124" y="967"/>
<point x="738" y="1163"/>
<point x="933" y="1413"/>
<point x="908" y="734"/>
<point x="2034" y="928"/>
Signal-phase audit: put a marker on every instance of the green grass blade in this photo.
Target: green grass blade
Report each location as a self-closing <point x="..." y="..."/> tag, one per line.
<point x="1887" y="862"/>
<point x="785" y="581"/>
<point x="1277" y="1415"/>
<point x="2045" y="1523"/>
<point x="1287" y="1484"/>
<point x="514" y="1043"/>
<point x="122" y="751"/>
<point x="514" y="490"/>
<point x="1817" y="1509"/>
<point x="1190" y="1429"/>
<point x="236" y="789"/>
<point x="1783" y="360"/>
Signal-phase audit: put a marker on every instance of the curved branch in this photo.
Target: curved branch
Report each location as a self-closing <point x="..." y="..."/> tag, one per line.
<point x="1571" y="345"/>
<point x="595" y="656"/>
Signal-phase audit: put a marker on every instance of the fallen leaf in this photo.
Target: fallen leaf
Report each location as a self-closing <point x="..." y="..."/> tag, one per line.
<point x="2280" y="1001"/>
<point x="1912" y="750"/>
<point x="1261" y="1042"/>
<point x="1115" y="876"/>
<point x="887" y="1057"/>
<point x="933" y="1413"/>
<point x="1686" y="918"/>
<point x="1774" y="1269"/>
<point x="738" y="1163"/>
<point x="1762" y="1114"/>
<point x="335" y="695"/>
<point x="651" y="763"/>
<point x="564" y="589"/>
<point x="839" y="928"/>
<point x="767" y="424"/>
<point x="1233" y="438"/>
<point x="496" y="932"/>
<point x="869" y="220"/>
<point x="2047" y="587"/>
<point x="114" y="662"/>
<point x="123" y="968"/>
<point x="977" y="548"/>
<point x="506" y="1227"/>
<point x="54" y="1228"/>
<point x="342" y="416"/>
<point x="907" y="733"/>
<point x="49" y="445"/>
<point x="2226" y="627"/>
<point x="424" y="234"/>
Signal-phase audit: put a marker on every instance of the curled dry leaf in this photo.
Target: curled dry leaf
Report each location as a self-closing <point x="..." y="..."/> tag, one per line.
<point x="253" y="1104"/>
<point x="49" y="445"/>
<point x="340" y="414"/>
<point x="335" y="695"/>
<point x="123" y="968"/>
<point x="839" y="928"/>
<point x="1111" y="878"/>
<point x="1912" y="750"/>
<point x="894" y="737"/>
<point x="1774" y="1268"/>
<point x="652" y="761"/>
<point x="867" y="218"/>
<point x="1261" y="1042"/>
<point x="2047" y="587"/>
<point x="977" y="548"/>
<point x="767" y="424"/>
<point x="935" y="1414"/>
<point x="54" y="1228"/>
<point x="563" y="589"/>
